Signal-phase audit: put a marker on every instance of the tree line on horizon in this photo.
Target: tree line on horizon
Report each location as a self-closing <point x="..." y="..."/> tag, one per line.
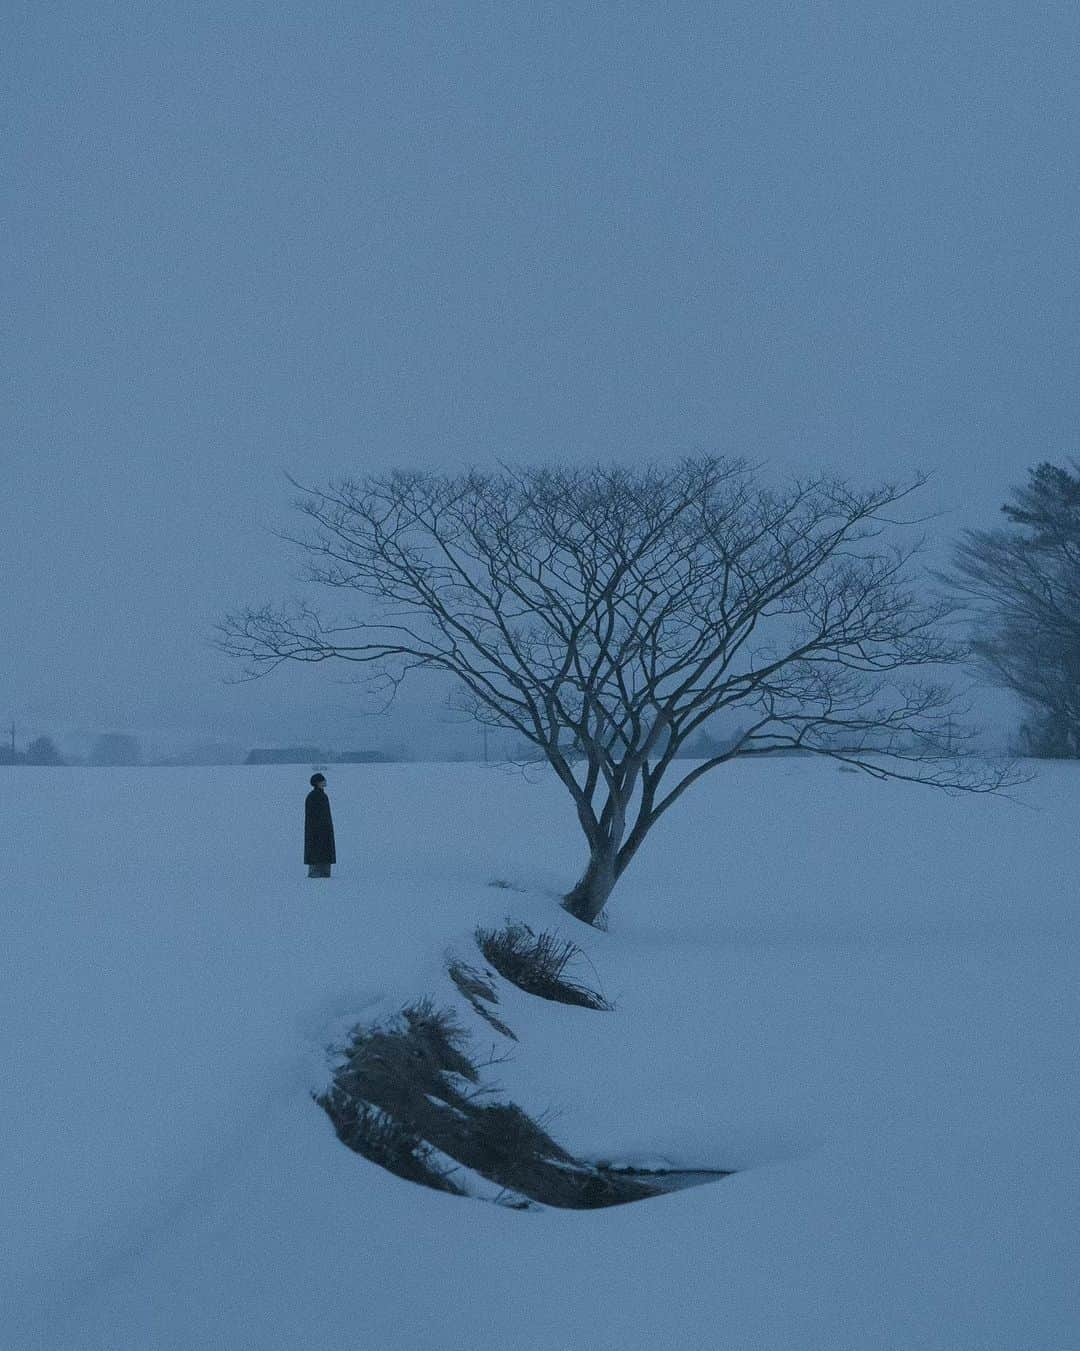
<point x="117" y="749"/>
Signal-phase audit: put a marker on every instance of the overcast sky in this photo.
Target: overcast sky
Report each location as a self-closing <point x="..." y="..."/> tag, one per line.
<point x="248" y="238"/>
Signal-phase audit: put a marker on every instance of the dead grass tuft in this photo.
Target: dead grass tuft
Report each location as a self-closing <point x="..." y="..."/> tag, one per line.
<point x="537" y="963"/>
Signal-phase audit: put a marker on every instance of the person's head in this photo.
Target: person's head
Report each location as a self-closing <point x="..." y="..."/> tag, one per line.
<point x="318" y="780"/>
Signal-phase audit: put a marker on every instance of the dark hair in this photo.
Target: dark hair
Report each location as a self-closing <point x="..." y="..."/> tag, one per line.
<point x="316" y="779"/>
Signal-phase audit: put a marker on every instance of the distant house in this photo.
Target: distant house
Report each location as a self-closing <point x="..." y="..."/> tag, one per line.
<point x="116" y="748"/>
<point x="207" y="753"/>
<point x="286" y="755"/>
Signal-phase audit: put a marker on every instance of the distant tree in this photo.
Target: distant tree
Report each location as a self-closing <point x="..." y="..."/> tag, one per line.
<point x="1022" y="582"/>
<point x="605" y="615"/>
<point x="42" y="751"/>
<point x="116" y="748"/>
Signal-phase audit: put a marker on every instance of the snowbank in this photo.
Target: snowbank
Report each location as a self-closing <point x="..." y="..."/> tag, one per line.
<point x="861" y="996"/>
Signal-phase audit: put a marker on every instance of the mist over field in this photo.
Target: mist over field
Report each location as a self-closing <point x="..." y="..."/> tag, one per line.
<point x="317" y="239"/>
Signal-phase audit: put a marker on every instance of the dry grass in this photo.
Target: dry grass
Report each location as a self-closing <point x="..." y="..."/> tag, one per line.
<point x="537" y="963"/>
<point x="385" y="1141"/>
<point x="407" y="1095"/>
<point x="478" y="988"/>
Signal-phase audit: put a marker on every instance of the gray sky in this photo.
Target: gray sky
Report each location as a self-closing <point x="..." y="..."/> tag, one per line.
<point x="245" y="238"/>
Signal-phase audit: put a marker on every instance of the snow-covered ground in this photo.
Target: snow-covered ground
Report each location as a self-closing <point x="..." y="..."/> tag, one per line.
<point x="864" y="997"/>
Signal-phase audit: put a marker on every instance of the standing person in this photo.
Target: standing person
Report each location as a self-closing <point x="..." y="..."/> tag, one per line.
<point x="319" y="852"/>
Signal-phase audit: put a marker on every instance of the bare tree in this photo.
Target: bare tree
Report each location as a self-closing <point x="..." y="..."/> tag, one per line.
<point x="606" y="615"/>
<point x="1022" y="584"/>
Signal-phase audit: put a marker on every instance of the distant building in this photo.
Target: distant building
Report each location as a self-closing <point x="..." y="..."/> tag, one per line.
<point x="116" y="748"/>
<point x="362" y="758"/>
<point x="286" y="755"/>
<point x="207" y="753"/>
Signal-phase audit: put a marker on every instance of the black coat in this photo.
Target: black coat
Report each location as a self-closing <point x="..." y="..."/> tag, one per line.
<point x="318" y="829"/>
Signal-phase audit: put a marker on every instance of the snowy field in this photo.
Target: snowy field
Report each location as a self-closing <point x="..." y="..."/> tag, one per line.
<point x="863" y="997"/>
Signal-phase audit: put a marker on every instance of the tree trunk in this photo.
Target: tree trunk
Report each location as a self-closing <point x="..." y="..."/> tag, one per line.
<point x="586" y="899"/>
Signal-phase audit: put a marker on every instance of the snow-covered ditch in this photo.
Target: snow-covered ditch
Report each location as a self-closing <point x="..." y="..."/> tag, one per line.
<point x="861" y="997"/>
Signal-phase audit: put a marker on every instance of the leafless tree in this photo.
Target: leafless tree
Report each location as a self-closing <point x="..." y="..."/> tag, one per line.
<point x="606" y="614"/>
<point x="1022" y="584"/>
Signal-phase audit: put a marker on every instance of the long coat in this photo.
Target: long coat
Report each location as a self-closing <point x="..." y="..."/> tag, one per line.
<point x="318" y="829"/>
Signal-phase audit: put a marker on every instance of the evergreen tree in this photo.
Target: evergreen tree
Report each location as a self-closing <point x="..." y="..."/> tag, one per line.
<point x="1023" y="583"/>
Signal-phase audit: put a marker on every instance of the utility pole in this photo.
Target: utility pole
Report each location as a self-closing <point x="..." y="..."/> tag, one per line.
<point x="13" y="741"/>
<point x="484" y="731"/>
